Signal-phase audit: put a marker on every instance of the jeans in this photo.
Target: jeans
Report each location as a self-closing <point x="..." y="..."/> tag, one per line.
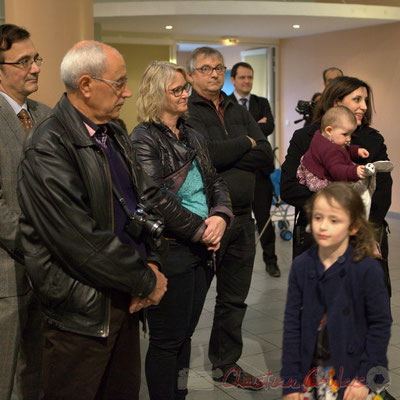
<point x="172" y="322"/>
<point x="235" y="261"/>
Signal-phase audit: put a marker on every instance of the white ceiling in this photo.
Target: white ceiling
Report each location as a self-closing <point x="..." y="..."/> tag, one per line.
<point x="276" y="26"/>
<point x="251" y="19"/>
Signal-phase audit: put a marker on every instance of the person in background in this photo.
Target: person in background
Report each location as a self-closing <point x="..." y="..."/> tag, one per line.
<point x="20" y="333"/>
<point x="330" y="74"/>
<point x="92" y="270"/>
<point x="238" y="148"/>
<point x="196" y="208"/>
<point x="316" y="97"/>
<point x="242" y="78"/>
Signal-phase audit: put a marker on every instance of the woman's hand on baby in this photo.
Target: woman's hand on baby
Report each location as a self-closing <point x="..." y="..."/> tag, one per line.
<point x="356" y="391"/>
<point x="361" y="171"/>
<point x="363" y="153"/>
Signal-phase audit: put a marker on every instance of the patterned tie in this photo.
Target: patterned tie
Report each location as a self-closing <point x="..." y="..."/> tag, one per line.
<point x="26" y="120"/>
<point x="101" y="137"/>
<point x="243" y="102"/>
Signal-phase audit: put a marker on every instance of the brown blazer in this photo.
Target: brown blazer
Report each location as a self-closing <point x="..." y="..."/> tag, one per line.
<point x="12" y="135"/>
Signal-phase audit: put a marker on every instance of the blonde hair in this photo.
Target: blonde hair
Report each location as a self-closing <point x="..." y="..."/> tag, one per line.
<point x="152" y="90"/>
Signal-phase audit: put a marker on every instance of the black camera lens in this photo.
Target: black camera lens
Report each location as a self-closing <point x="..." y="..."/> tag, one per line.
<point x="156" y="229"/>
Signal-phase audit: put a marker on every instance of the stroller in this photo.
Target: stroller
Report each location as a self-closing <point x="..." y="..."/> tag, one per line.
<point x="280" y="211"/>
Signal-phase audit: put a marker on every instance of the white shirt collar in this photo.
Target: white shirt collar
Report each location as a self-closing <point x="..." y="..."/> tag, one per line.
<point x="14" y="105"/>
<point x="238" y="97"/>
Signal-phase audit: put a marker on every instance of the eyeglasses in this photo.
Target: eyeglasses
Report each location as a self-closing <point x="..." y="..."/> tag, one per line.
<point x="26" y="63"/>
<point x="208" y="70"/>
<point x="179" y="90"/>
<point x="118" y="85"/>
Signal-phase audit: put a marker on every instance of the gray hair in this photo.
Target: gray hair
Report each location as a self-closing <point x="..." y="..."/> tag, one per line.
<point x="207" y="52"/>
<point x="87" y="57"/>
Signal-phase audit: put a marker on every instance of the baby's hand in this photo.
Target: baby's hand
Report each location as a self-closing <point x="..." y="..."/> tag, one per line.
<point x="364" y="153"/>
<point x="293" y="396"/>
<point x="356" y="391"/>
<point x="361" y="171"/>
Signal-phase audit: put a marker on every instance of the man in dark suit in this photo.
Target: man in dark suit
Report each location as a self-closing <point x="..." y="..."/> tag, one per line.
<point x="20" y="339"/>
<point x="242" y="78"/>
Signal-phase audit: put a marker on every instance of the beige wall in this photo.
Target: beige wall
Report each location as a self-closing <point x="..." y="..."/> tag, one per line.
<point x="137" y="58"/>
<point x="371" y="54"/>
<point x="54" y="26"/>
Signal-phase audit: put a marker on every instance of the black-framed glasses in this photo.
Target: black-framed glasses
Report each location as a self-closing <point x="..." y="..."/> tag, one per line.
<point x="208" y="70"/>
<point x="118" y="85"/>
<point x="177" y="92"/>
<point x="26" y="63"/>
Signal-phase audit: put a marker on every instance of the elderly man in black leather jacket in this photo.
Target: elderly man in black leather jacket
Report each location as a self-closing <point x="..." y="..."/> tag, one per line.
<point x="88" y="272"/>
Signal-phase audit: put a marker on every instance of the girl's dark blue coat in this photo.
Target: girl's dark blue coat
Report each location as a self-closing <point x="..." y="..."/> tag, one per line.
<point x="357" y="304"/>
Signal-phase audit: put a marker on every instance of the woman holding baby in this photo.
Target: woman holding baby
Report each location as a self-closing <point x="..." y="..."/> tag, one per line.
<point x="356" y="95"/>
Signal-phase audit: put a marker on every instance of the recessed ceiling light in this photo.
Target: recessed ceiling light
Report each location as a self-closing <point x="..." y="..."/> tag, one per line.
<point x="169" y="27"/>
<point x="296" y="26"/>
<point x="230" y="41"/>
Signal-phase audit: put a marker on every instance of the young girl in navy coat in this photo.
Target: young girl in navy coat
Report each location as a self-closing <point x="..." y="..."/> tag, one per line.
<point x="337" y="316"/>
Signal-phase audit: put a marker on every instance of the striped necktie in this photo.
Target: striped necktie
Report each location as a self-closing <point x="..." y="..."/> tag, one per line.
<point x="243" y="102"/>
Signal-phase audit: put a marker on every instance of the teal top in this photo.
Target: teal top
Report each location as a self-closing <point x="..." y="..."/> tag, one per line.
<point x="192" y="192"/>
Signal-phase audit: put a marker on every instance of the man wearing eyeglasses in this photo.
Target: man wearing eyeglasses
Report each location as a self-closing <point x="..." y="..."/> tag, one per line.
<point x="20" y="338"/>
<point x="90" y="264"/>
<point x="237" y="148"/>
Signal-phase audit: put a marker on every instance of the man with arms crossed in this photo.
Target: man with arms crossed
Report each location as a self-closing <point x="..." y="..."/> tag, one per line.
<point x="242" y="78"/>
<point x="237" y="148"/>
<point x="78" y="181"/>
<point x="20" y="338"/>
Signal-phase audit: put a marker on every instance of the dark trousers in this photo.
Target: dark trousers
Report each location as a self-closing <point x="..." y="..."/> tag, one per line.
<point x="172" y="322"/>
<point x="261" y="208"/>
<point x="235" y="261"/>
<point x="83" y="367"/>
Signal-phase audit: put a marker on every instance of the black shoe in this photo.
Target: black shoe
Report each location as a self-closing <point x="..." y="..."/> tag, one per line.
<point x="236" y="376"/>
<point x="273" y="270"/>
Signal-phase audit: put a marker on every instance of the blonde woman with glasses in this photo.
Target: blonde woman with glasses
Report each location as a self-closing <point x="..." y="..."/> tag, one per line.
<point x="196" y="208"/>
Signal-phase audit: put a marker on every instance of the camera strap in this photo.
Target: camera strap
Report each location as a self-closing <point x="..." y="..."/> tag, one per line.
<point x="122" y="201"/>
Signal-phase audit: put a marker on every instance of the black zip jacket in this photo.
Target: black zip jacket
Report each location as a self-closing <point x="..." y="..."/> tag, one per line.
<point x="230" y="149"/>
<point x="73" y="259"/>
<point x="167" y="160"/>
<point x="295" y="194"/>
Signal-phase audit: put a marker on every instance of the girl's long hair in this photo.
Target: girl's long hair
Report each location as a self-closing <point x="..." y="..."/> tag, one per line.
<point x="343" y="193"/>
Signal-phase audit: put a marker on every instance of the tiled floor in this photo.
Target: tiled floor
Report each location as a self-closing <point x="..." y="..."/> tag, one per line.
<point x="262" y="330"/>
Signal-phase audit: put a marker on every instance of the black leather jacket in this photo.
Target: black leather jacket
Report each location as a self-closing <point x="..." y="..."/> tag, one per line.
<point x="73" y="259"/>
<point x="167" y="160"/>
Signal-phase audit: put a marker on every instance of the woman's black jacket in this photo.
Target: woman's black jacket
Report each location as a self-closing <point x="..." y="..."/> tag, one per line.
<point x="167" y="160"/>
